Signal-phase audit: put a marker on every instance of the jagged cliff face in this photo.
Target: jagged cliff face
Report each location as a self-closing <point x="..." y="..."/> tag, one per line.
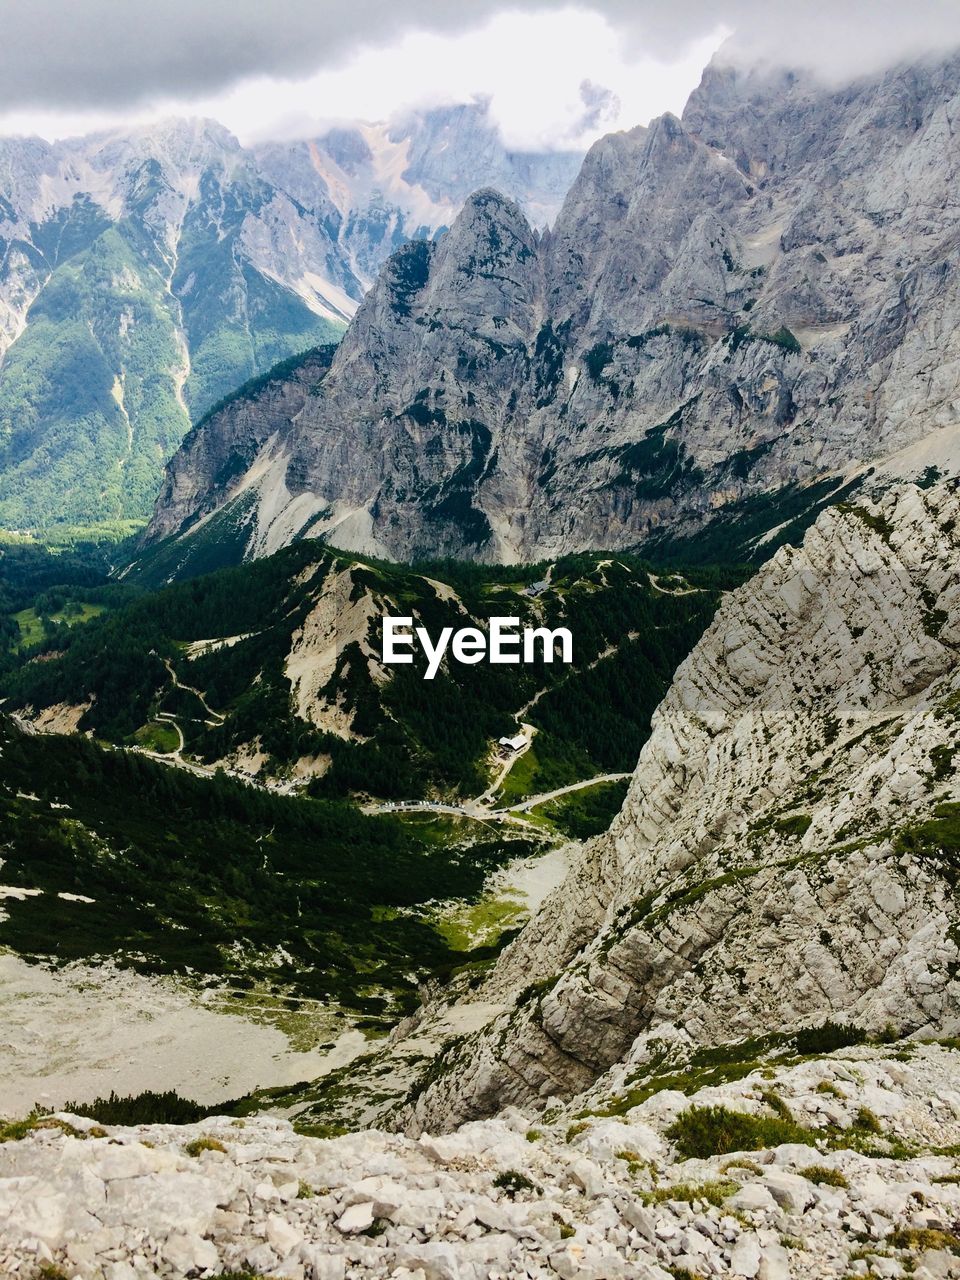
<point x="787" y="850"/>
<point x="146" y="274"/>
<point x="729" y="306"/>
<point x="226" y="445"/>
<point x="377" y="454"/>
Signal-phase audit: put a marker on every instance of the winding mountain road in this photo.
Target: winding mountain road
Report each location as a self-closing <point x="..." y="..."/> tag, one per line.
<point x="479" y="811"/>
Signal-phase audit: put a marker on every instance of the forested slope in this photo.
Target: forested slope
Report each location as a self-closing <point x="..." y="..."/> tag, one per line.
<point x="274" y="667"/>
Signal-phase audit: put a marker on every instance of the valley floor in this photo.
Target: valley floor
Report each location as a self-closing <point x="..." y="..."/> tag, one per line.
<point x="861" y="1180"/>
<point x="80" y="1032"/>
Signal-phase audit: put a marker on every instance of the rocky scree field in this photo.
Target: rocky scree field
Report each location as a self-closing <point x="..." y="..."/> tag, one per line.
<point x="830" y="1165"/>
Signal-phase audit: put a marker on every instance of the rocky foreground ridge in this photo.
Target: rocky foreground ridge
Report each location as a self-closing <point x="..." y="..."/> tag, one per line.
<point x="862" y="1180"/>
<point x="729" y="308"/>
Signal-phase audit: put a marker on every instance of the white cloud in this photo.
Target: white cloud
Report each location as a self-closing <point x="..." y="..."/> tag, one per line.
<point x="533" y="67"/>
<point x="287" y="67"/>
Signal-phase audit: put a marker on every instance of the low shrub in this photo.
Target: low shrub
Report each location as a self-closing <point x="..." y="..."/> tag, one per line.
<point x="919" y="1239"/>
<point x="819" y="1173"/>
<point x="828" y="1037"/>
<point x="867" y="1121"/>
<point x="701" y="1132"/>
<point x="512" y="1183"/>
<point x="796" y="824"/>
<point x="199" y="1145"/>
<point x="712" y="1192"/>
<point x="141" y="1108"/>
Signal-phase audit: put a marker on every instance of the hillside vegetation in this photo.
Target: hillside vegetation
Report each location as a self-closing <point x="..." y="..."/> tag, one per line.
<point x="279" y="660"/>
<point x="119" y="857"/>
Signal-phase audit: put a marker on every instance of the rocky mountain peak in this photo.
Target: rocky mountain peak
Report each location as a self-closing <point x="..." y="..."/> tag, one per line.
<point x="232" y="257"/>
<point x="736" y="312"/>
<point x="454" y="149"/>
<point x="488" y="259"/>
<point x="770" y="119"/>
<point x="348" y="148"/>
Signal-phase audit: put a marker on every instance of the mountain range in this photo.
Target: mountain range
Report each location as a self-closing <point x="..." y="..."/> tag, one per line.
<point x="641" y="967"/>
<point x="735" y="317"/>
<point x="145" y="274"/>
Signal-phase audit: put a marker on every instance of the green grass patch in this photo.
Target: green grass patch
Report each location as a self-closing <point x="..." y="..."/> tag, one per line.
<point x="37" y="628"/>
<point x="823" y="1176"/>
<point x="14" y="1130"/>
<point x="703" y="1069"/>
<point x="31" y="628"/>
<point x="586" y="812"/>
<point x="716" y="1130"/>
<point x="919" y="1239"/>
<point x="796" y="824"/>
<point x="714" y="1193"/>
<point x="159" y="736"/>
<point x="480" y="924"/>
<point x="938" y="838"/>
<point x="518" y="783"/>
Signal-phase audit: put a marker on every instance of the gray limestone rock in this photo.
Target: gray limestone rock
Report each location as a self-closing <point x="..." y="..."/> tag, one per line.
<point x="729" y="308"/>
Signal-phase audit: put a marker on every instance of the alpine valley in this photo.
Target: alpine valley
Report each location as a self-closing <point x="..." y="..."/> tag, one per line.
<point x="645" y="967"/>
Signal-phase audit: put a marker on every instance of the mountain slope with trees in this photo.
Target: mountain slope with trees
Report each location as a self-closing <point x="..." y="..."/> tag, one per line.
<point x="285" y="654"/>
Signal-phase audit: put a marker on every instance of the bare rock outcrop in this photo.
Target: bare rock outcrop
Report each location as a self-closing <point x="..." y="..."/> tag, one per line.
<point x="787" y="849"/>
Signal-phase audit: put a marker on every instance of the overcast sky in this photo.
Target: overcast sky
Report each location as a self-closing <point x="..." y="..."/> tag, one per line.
<point x="557" y="74"/>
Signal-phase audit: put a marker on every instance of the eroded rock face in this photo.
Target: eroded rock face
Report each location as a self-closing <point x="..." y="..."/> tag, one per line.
<point x="728" y="306"/>
<point x="783" y="854"/>
<point x="214" y="456"/>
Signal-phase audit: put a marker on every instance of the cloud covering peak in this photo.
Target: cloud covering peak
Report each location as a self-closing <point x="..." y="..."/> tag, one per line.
<point x="108" y="57"/>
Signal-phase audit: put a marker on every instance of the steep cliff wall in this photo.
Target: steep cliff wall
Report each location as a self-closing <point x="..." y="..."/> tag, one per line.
<point x="787" y="851"/>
